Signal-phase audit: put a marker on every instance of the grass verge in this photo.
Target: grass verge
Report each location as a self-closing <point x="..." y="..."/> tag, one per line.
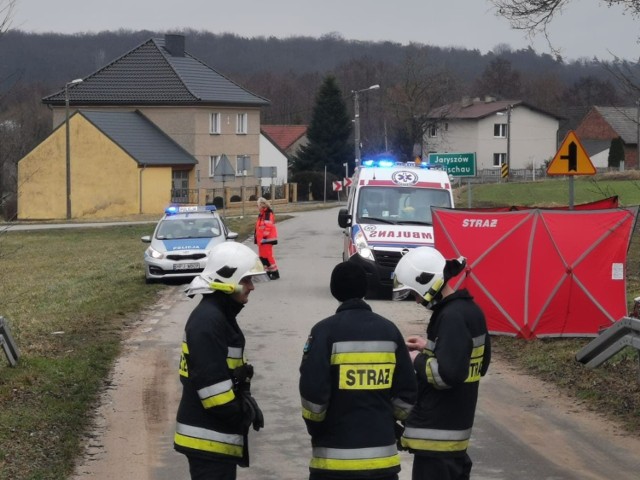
<point x="67" y="296"/>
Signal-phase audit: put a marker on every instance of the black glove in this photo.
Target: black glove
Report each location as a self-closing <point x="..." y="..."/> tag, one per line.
<point x="252" y="413"/>
<point x="242" y="375"/>
<point x="399" y="428"/>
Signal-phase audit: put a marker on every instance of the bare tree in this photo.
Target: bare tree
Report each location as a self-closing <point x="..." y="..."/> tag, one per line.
<point x="536" y="15"/>
<point x="499" y="79"/>
<point x="420" y="87"/>
<point x="7" y="8"/>
<point x="6" y="15"/>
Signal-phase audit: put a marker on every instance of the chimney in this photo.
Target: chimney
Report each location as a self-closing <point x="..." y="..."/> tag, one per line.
<point x="174" y="44"/>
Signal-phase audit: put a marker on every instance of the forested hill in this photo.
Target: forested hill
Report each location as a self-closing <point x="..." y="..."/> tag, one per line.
<point x="51" y="59"/>
<point x="413" y="78"/>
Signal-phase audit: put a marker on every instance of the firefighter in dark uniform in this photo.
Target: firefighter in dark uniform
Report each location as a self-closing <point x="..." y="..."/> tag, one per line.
<point x="356" y="382"/>
<point x="216" y="408"/>
<point x="448" y="363"/>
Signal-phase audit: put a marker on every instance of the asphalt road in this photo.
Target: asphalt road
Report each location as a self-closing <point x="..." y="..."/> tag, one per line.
<point x="524" y="428"/>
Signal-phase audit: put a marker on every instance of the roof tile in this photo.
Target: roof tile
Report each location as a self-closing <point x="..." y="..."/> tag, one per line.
<point x="284" y="135"/>
<point x="150" y="75"/>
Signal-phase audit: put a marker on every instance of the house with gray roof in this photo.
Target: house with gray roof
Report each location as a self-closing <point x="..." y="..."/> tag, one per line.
<point x="603" y="124"/>
<point x="497" y="131"/>
<point x="165" y="109"/>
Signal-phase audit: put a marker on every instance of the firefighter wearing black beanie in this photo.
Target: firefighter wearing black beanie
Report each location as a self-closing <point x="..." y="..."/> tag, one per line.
<point x="356" y="382"/>
<point x="348" y="280"/>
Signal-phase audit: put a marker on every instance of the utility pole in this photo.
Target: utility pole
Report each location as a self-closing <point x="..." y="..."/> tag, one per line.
<point x="356" y="112"/>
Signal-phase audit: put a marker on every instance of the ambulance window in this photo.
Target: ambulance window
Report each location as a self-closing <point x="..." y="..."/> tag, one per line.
<point x="371" y="203"/>
<point x="425" y="198"/>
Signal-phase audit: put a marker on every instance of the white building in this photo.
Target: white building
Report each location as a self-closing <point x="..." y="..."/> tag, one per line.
<point x="482" y="127"/>
<point x="272" y="156"/>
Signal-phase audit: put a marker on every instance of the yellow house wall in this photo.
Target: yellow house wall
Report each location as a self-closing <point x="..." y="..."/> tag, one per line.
<point x="105" y="180"/>
<point x="156" y="189"/>
<point x="42" y="180"/>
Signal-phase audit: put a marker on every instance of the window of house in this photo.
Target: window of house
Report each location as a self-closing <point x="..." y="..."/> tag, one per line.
<point x="215" y="123"/>
<point x="214" y="160"/>
<point x="243" y="164"/>
<point x="241" y="123"/>
<point x="499" y="159"/>
<point x="433" y="131"/>
<point x="500" y="130"/>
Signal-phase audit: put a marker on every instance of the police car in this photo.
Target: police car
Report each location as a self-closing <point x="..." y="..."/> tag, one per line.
<point x="181" y="241"/>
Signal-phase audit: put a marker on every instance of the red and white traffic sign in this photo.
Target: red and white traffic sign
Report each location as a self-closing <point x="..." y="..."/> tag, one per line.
<point x="347" y="182"/>
<point x="337" y="186"/>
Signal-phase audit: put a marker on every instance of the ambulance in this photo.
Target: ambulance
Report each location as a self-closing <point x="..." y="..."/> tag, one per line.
<point x="389" y="212"/>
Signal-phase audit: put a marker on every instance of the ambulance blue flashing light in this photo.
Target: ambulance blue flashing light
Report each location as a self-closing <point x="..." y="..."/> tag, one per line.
<point x="174" y="209"/>
<point x="381" y="163"/>
<point x="386" y="163"/>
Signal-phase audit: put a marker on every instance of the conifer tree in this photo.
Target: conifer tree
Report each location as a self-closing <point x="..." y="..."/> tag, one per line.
<point x="328" y="133"/>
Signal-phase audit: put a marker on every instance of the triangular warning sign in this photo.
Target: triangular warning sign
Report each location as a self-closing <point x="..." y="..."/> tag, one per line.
<point x="223" y="171"/>
<point x="571" y="159"/>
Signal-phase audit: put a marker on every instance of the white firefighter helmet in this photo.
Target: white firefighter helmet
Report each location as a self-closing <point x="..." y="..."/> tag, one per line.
<point x="420" y="270"/>
<point x="228" y="263"/>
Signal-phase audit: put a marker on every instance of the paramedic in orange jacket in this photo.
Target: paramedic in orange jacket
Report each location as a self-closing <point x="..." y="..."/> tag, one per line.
<point x="266" y="236"/>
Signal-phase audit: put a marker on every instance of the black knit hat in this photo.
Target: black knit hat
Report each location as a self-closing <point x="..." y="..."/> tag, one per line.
<point x="348" y="280"/>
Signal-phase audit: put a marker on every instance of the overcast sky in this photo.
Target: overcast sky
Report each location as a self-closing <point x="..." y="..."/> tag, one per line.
<point x="587" y="28"/>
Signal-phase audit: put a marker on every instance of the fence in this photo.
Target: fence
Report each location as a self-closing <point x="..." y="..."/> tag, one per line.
<point x="234" y="196"/>
<point x="493" y="175"/>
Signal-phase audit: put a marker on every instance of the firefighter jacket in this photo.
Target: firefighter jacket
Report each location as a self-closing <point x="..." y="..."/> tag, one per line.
<point x="457" y="354"/>
<point x="265" y="230"/>
<point x="356" y="380"/>
<point x="210" y="419"/>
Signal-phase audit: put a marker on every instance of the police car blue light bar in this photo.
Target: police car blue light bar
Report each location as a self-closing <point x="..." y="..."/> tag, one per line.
<point x="174" y="209"/>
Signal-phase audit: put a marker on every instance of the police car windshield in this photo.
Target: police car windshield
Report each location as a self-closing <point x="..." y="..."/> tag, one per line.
<point x="174" y="228"/>
<point x="400" y="205"/>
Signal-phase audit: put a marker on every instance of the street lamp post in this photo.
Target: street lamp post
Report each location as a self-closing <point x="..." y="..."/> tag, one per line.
<point x="68" y="139"/>
<point x="356" y="110"/>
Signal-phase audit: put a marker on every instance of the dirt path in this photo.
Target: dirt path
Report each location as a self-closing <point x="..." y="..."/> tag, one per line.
<point x="135" y="420"/>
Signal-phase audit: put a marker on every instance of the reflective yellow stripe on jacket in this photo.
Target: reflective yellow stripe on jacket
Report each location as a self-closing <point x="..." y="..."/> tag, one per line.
<point x="436" y="440"/>
<point x="313" y="411"/>
<point x="208" y="440"/>
<point x="351" y="459"/>
<point x="475" y="363"/>
<point x="218" y="393"/>
<point x="235" y="357"/>
<point x="477" y="355"/>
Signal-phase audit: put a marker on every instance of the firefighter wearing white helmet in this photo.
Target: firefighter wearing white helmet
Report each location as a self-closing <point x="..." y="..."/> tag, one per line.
<point x="217" y="409"/>
<point x="449" y="364"/>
